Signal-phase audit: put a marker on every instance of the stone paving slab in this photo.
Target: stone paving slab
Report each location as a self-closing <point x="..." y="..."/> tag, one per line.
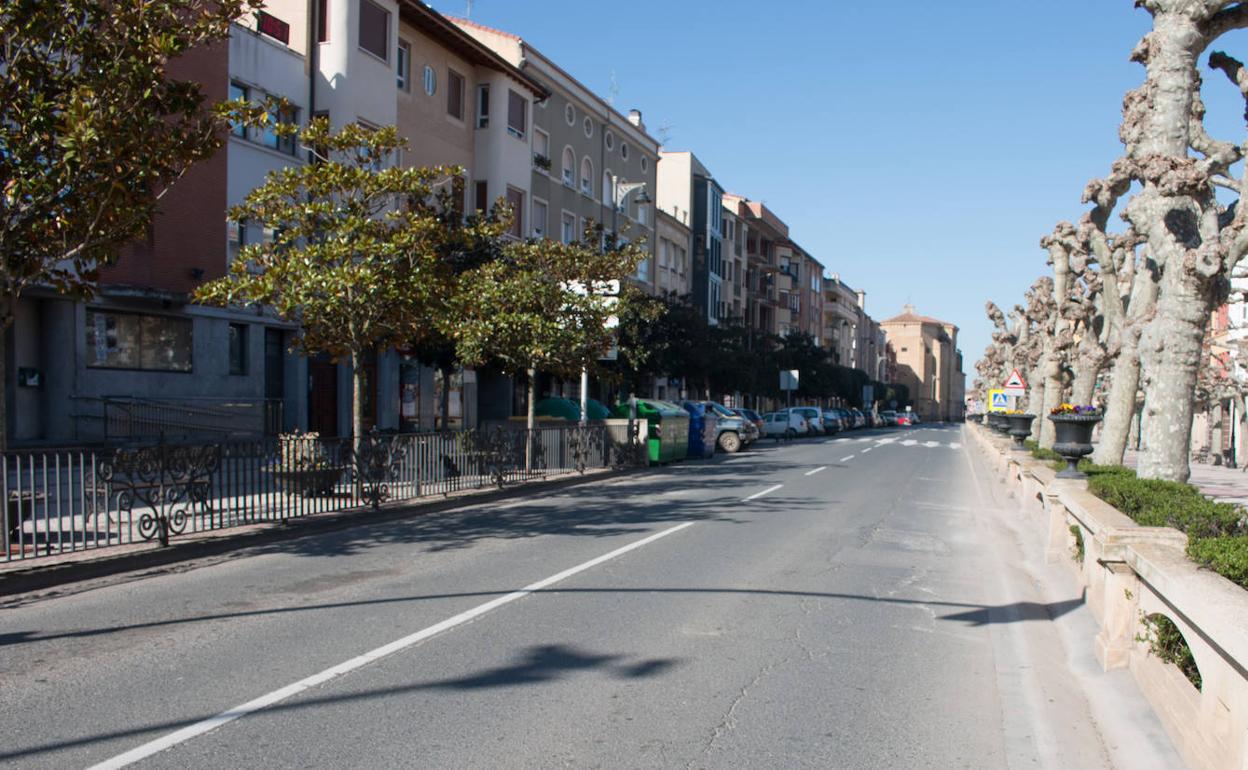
<point x="1217" y="482"/>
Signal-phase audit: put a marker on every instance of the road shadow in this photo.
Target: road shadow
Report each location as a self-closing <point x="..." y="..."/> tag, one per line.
<point x="536" y="666"/>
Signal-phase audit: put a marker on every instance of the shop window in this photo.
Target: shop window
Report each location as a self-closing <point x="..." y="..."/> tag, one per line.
<point x="134" y="341"/>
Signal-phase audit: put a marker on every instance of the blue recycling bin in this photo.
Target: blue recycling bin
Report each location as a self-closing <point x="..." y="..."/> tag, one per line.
<point x="702" y="429"/>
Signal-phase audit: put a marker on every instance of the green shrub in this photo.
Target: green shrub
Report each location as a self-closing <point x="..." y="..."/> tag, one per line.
<point x="1227" y="556"/>
<point x="1166" y="642"/>
<point x="1155" y="503"/>
<point x="1045" y="454"/>
<point x="1077" y="550"/>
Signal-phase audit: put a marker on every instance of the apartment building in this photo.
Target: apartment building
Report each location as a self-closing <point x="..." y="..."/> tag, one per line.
<point x="928" y="363"/>
<point x="805" y="293"/>
<point x="766" y="287"/>
<point x="588" y="163"/>
<point x="685" y="185"/>
<point x="672" y="264"/>
<point x="735" y="297"/>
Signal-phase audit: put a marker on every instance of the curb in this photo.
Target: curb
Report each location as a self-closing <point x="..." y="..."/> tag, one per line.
<point x="40" y="577"/>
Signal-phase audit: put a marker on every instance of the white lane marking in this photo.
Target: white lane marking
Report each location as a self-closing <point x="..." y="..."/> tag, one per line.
<point x="954" y="445"/>
<point x="766" y="491"/>
<point x="847" y="459"/>
<point x="252" y="706"/>
<point x="867" y="449"/>
<point x="931" y="444"/>
<point x="816" y="470"/>
<point x="909" y="442"/>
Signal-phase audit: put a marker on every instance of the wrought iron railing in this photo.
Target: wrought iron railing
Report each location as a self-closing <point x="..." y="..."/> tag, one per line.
<point x="66" y="500"/>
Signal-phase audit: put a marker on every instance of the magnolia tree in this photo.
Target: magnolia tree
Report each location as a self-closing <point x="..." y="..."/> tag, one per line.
<point x="95" y="131"/>
<point x="355" y="256"/>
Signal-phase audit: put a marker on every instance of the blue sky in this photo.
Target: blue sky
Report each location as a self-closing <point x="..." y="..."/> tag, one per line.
<point x="919" y="149"/>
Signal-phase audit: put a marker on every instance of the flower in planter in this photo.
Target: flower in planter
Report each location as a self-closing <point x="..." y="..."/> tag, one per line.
<point x="1088" y="410"/>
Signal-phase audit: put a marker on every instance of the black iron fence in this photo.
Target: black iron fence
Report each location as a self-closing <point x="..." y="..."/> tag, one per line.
<point x="66" y="500"/>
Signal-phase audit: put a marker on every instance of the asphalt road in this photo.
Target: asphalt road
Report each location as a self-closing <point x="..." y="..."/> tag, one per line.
<point x="863" y="601"/>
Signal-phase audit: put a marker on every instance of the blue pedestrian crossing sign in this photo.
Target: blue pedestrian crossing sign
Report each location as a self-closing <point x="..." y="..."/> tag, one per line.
<point x="998" y="401"/>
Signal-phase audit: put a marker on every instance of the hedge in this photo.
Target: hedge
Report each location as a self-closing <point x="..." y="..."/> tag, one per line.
<point x="1227" y="556"/>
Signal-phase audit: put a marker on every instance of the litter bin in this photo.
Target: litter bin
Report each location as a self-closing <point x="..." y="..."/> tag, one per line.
<point x="703" y="429"/>
<point x="664" y="428"/>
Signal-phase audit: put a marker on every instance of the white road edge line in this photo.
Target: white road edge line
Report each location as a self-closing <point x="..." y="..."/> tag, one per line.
<point x="766" y="491"/>
<point x="847" y="459"/>
<point x="264" y="701"/>
<point x="816" y="470"/>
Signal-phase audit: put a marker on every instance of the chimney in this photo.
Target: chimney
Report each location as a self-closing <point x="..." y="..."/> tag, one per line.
<point x="634" y="117"/>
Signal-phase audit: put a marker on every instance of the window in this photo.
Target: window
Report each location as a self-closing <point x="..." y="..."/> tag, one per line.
<point x="609" y="140"/>
<point x="541" y="150"/>
<point x="454" y="94"/>
<point x="516" y="114"/>
<point x="539" y="218"/>
<point x="588" y="125"/>
<point x="569" y="167"/>
<point x="645" y="164"/>
<point x="567" y="227"/>
<point x="238" y="348"/>
<point x="238" y="91"/>
<point x="322" y="21"/>
<point x="587" y="176"/>
<point x="430" y="80"/>
<point x="482" y="195"/>
<point x="375" y="29"/>
<point x="643" y="270"/>
<point x="608" y="188"/>
<point x="515" y="200"/>
<point x="483" y="106"/>
<point x="623" y="150"/>
<point x="269" y="137"/>
<point x="403" y="65"/>
<point x="134" y="341"/>
<point x="569" y="114"/>
<point x="641" y="215"/>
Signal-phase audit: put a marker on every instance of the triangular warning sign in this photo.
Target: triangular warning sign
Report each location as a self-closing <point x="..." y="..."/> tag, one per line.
<point x="1015" y="380"/>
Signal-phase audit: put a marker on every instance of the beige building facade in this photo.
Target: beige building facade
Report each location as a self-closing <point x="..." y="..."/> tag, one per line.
<point x="672" y="260"/>
<point x="929" y="363"/>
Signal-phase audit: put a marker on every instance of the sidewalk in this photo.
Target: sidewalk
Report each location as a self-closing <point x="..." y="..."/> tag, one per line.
<point x="1226" y="485"/>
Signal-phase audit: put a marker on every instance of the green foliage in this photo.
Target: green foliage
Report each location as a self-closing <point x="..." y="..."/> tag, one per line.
<point x="521" y="310"/>
<point x="1166" y="642"/>
<point x="1040" y="453"/>
<point x="1156" y="503"/>
<point x="1077" y="551"/>
<point x="1227" y="556"/>
<point x="95" y="130"/>
<point x="356" y="249"/>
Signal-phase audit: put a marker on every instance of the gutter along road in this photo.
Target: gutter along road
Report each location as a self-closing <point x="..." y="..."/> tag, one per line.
<point x="798" y="605"/>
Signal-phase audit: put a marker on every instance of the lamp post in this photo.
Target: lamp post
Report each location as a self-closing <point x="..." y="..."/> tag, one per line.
<point x="619" y="199"/>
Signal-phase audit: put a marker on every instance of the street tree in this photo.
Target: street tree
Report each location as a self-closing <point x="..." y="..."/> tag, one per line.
<point x="538" y="308"/>
<point x="95" y="130"/>
<point x="355" y="256"/>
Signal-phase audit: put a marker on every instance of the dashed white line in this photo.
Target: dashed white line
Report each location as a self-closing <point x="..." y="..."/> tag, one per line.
<point x="847" y="459"/>
<point x="289" y="691"/>
<point x="868" y="449"/>
<point x="766" y="491"/>
<point x="816" y="470"/>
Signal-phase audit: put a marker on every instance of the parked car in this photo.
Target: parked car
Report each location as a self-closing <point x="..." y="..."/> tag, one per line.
<point x="832" y="421"/>
<point x="732" y="431"/>
<point x="753" y="416"/>
<point x="784" y="424"/>
<point x="860" y="419"/>
<point x="847" y="419"/>
<point x="814" y="418"/>
<point x="889" y="417"/>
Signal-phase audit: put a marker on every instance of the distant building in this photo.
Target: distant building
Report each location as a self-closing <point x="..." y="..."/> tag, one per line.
<point x="685" y="185"/>
<point x="928" y="363"/>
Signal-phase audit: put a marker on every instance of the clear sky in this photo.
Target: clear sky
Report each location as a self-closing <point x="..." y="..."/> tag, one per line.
<point x="919" y="149"/>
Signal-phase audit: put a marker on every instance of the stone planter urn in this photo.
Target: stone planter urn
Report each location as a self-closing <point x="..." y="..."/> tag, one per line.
<point x="1073" y="440"/>
<point x="1020" y="429"/>
<point x="997" y="422"/>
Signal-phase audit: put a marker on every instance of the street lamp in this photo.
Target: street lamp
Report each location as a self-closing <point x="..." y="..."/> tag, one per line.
<point x="619" y="200"/>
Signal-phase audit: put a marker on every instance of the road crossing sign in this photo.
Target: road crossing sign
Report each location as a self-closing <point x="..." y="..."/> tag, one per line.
<point x="1014" y="385"/>
<point x="998" y="401"/>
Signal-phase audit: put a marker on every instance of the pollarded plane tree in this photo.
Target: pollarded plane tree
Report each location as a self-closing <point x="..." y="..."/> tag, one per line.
<point x="1193" y="241"/>
<point x="1054" y="369"/>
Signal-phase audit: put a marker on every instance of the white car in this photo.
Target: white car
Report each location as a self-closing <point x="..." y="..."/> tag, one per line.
<point x="813" y="417"/>
<point x="784" y="425"/>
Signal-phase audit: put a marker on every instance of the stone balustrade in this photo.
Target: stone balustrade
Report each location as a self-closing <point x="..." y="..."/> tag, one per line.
<point x="1129" y="573"/>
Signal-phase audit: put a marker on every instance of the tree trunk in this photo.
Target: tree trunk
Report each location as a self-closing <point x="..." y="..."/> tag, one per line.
<point x="1088" y="367"/>
<point x="1119" y="407"/>
<point x="530" y="419"/>
<point x="1035" y="400"/>
<point x="444" y="405"/>
<point x="359" y="381"/>
<point x="1054" y="387"/>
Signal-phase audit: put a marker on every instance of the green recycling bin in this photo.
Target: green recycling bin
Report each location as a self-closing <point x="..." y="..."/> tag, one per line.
<point x="664" y="427"/>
